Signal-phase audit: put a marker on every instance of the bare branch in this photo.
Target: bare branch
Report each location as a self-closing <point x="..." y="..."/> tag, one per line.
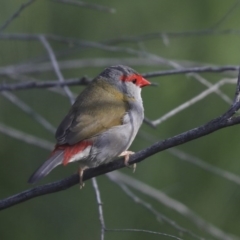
<point x="144" y="37"/>
<point x="167" y="35"/>
<point x="226" y="15"/>
<point x="226" y="120"/>
<point x="56" y="67"/>
<point x="149" y="207"/>
<point x="25" y="137"/>
<point x="223" y="121"/>
<point x="209" y="85"/>
<point x="100" y="208"/>
<point x="15" y="14"/>
<point x="85" y="80"/>
<point x="195" y="160"/>
<point x="170" y="203"/>
<point x="204" y="165"/>
<point x="43" y="84"/>
<point x="103" y="62"/>
<point x="27" y="109"/>
<point x="97" y="45"/>
<point x="237" y="92"/>
<point x="75" y="63"/>
<point x="191" y="70"/>
<point x="87" y="5"/>
<point x="143" y="231"/>
<point x="197" y="98"/>
<point x="138" y="56"/>
<point x="32" y="80"/>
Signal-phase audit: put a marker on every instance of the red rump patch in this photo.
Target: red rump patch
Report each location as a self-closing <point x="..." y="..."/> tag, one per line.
<point x="136" y="79"/>
<point x="71" y="150"/>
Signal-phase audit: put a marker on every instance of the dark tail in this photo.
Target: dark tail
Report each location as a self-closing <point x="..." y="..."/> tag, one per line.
<point x="47" y="167"/>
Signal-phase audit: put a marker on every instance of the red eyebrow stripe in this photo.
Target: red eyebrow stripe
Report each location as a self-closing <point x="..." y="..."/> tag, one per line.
<point x="131" y="77"/>
<point x="140" y="81"/>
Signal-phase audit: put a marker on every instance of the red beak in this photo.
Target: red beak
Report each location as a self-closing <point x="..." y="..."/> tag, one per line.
<point x="144" y="82"/>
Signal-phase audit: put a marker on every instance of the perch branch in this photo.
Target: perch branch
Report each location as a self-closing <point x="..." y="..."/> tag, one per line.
<point x="223" y="121"/>
<point x="226" y="120"/>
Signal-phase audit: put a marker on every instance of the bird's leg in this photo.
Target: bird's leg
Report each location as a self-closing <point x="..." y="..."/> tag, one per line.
<point x="80" y="173"/>
<point x="126" y="155"/>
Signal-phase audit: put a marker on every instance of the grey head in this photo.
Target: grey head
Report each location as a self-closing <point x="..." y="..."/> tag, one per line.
<point x="124" y="78"/>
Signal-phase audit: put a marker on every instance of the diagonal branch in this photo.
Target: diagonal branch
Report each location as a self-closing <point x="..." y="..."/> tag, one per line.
<point x="25" y="137"/>
<point x="16" y="14"/>
<point x="28" y="110"/>
<point x="87" y="5"/>
<point x="173" y="204"/>
<point x="226" y="15"/>
<point x="192" y="101"/>
<point x="56" y="67"/>
<point x="149" y="207"/>
<point x="206" y="83"/>
<point x="225" y="120"/>
<point x="216" y="124"/>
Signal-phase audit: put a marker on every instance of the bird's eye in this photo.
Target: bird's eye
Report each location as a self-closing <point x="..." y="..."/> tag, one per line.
<point x="134" y="81"/>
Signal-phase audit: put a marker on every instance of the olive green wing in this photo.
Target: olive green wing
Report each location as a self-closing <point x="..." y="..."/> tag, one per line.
<point x="97" y="109"/>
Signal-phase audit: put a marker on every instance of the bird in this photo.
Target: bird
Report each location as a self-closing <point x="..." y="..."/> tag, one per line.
<point x="101" y="124"/>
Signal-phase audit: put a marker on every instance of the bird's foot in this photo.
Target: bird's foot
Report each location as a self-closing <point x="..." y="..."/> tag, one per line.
<point x="126" y="155"/>
<point x="80" y="173"/>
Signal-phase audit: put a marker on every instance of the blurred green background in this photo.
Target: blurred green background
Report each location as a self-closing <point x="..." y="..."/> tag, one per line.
<point x="73" y="214"/>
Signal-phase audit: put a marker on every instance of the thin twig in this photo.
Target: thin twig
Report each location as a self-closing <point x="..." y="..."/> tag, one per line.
<point x="144" y="37"/>
<point x="40" y="67"/>
<point x="191" y="70"/>
<point x="97" y="45"/>
<point x="100" y="208"/>
<point x="195" y="160"/>
<point x="131" y="51"/>
<point x="170" y="203"/>
<point x="209" y="85"/>
<point x="192" y="101"/>
<point x="164" y="35"/>
<point x="15" y="14"/>
<point x="25" y="137"/>
<point x="225" y="16"/>
<point x="56" y="67"/>
<point x="85" y="80"/>
<point x="31" y="80"/>
<point x="142" y="231"/>
<point x="87" y="5"/>
<point x="27" y="109"/>
<point x="157" y="214"/>
<point x="204" y="165"/>
<point x="43" y="84"/>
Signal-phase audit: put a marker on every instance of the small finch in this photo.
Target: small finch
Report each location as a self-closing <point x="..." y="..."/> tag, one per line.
<point x="101" y="124"/>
